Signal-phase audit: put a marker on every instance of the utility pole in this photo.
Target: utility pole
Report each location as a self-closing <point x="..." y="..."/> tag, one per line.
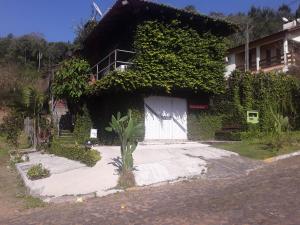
<point x="247" y="49"/>
<point x="25" y="56"/>
<point x="40" y="55"/>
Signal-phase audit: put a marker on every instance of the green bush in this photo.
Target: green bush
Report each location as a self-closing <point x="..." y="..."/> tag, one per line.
<point x="75" y="152"/>
<point x="202" y="126"/>
<point x="269" y="93"/>
<point x="91" y="157"/>
<point x="253" y="131"/>
<point x="83" y="126"/>
<point x="37" y="172"/>
<point x="12" y="127"/>
<point x="228" y="136"/>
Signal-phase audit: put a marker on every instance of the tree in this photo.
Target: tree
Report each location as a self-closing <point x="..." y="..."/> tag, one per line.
<point x="285" y="11"/>
<point x="71" y="80"/>
<point x="217" y="15"/>
<point x="33" y="101"/>
<point x="297" y="13"/>
<point x="191" y="9"/>
<point x="57" y="52"/>
<point x="82" y="32"/>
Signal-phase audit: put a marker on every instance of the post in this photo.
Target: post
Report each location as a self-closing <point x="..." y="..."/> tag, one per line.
<point x="247" y="49"/>
<point x="285" y="52"/>
<point x="257" y="58"/>
<point x="115" y="59"/>
<point x="97" y="71"/>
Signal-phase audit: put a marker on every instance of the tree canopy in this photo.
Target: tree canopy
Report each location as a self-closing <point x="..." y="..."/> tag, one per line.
<point x="71" y="80"/>
<point x="25" y="49"/>
<point x="262" y="21"/>
<point x="191" y="8"/>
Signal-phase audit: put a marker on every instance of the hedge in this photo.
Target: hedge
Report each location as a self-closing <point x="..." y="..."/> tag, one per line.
<point x="75" y="152"/>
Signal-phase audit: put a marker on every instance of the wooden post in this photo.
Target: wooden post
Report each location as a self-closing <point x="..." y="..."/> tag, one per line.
<point x="257" y="58"/>
<point x="247" y="49"/>
<point x="115" y="59"/>
<point x="97" y="71"/>
<point x="285" y="52"/>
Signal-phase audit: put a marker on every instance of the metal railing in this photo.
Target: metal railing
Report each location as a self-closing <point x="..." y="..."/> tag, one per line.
<point x="116" y="60"/>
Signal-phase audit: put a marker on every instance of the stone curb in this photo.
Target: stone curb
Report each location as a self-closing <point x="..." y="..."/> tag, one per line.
<point x="281" y="157"/>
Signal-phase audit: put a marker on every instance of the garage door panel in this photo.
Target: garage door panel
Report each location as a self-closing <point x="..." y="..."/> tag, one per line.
<point x="165" y="118"/>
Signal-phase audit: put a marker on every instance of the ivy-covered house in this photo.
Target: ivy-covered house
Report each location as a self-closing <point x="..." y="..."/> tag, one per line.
<point x="163" y="63"/>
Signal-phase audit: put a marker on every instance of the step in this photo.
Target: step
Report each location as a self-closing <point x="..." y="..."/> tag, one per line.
<point x="67" y="133"/>
<point x="66" y="136"/>
<point x="166" y="142"/>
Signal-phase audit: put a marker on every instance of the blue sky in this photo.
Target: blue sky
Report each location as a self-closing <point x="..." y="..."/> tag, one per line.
<point x="56" y="19"/>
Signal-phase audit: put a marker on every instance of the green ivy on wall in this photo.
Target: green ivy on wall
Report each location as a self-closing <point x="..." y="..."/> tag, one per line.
<point x="265" y="92"/>
<point x="170" y="57"/>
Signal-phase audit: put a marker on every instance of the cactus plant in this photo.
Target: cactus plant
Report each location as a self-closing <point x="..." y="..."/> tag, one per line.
<point x="127" y="129"/>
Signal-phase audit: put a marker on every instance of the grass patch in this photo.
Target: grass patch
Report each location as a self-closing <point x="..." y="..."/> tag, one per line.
<point x="3" y="148"/>
<point x="32" y="202"/>
<point x="23" y="141"/>
<point x="13" y="194"/>
<point x="265" y="146"/>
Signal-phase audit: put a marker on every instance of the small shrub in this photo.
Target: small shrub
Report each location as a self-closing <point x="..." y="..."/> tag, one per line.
<point x="203" y="126"/>
<point x="83" y="126"/>
<point x="253" y="131"/>
<point x="228" y="136"/>
<point x="126" y="180"/>
<point x="91" y="157"/>
<point x="37" y="172"/>
<point x="75" y="152"/>
<point x="15" y="160"/>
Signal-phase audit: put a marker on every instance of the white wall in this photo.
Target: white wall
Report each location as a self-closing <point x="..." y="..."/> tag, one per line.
<point x="231" y="65"/>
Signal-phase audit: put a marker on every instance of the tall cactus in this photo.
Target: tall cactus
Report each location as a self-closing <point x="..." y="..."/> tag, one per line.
<point x="127" y="129"/>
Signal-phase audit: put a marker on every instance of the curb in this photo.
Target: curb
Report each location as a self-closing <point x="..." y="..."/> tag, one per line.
<point x="281" y="157"/>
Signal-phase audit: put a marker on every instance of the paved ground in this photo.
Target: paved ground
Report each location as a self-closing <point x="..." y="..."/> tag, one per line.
<point x="269" y="195"/>
<point x="154" y="164"/>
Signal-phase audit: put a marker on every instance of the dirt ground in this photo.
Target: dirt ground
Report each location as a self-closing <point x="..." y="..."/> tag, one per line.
<point x="10" y="189"/>
<point x="269" y="195"/>
<point x="13" y="195"/>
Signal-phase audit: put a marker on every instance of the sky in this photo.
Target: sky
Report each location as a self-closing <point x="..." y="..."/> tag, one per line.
<point x="57" y="19"/>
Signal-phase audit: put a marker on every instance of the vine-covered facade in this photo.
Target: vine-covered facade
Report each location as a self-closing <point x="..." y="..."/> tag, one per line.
<point x="171" y="60"/>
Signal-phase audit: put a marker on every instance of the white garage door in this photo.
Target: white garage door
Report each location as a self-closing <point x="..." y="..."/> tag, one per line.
<point x="165" y="118"/>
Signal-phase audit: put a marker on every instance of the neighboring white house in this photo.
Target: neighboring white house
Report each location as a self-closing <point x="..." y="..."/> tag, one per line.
<point x="275" y="52"/>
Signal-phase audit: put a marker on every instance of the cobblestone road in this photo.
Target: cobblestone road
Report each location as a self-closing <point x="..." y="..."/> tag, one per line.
<point x="270" y="195"/>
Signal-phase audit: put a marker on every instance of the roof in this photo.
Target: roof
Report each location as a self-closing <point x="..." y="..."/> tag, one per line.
<point x="125" y="12"/>
<point x="275" y="36"/>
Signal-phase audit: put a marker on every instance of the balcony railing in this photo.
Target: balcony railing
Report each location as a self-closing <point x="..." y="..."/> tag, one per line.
<point x="269" y="63"/>
<point x="116" y="60"/>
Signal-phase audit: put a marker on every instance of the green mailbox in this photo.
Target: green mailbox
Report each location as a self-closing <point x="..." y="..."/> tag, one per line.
<point x="253" y="117"/>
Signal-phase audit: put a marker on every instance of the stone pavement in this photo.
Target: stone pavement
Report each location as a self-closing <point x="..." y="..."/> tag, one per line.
<point x="269" y="195"/>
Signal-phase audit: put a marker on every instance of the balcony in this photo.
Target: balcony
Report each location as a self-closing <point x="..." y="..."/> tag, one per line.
<point x="269" y="64"/>
<point x="117" y="60"/>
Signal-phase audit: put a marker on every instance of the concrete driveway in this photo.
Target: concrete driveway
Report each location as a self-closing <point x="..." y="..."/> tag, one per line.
<point x="153" y="164"/>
